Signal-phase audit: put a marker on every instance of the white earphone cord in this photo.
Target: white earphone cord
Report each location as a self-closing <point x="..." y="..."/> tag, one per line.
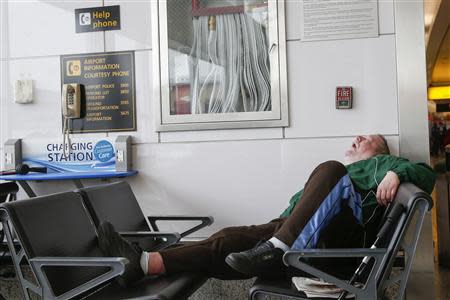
<point x="376" y="182"/>
<point x="376" y="208"/>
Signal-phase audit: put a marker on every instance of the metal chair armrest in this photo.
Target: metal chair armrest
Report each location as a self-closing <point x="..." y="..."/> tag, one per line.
<point x="204" y="221"/>
<point x="169" y="238"/>
<point x="293" y="258"/>
<point x="117" y="265"/>
<point x="339" y="252"/>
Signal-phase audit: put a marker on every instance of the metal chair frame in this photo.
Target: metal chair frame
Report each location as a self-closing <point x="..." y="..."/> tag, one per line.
<point x="380" y="277"/>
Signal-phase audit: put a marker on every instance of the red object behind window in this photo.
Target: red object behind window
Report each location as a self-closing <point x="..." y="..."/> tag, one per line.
<point x="197" y="10"/>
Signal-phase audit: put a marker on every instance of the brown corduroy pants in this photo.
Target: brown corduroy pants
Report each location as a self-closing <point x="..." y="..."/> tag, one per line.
<point x="208" y="256"/>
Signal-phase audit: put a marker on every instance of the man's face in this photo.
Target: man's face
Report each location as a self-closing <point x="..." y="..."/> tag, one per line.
<point x="363" y="147"/>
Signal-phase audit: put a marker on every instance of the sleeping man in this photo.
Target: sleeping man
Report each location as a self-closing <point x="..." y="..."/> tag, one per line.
<point x="340" y="206"/>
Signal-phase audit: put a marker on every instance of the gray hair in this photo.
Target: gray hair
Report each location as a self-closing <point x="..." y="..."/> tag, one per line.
<point x="383" y="147"/>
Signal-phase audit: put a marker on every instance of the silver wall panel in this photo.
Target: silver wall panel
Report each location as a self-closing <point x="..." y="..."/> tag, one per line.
<point x="411" y="80"/>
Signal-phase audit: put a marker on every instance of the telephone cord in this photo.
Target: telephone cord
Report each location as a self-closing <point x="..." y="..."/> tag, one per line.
<point x="66" y="135"/>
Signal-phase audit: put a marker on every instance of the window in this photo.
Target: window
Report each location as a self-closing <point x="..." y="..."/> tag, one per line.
<point x="221" y="64"/>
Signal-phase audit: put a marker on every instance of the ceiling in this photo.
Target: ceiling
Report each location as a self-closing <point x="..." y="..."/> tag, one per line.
<point x="437" y="34"/>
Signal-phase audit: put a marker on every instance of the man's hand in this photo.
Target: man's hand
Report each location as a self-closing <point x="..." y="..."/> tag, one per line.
<point x="387" y="188"/>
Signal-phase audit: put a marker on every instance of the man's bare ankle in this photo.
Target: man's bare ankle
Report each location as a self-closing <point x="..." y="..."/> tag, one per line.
<point x="155" y="264"/>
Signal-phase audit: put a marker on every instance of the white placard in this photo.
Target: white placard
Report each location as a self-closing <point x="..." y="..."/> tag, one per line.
<point x="338" y="19"/>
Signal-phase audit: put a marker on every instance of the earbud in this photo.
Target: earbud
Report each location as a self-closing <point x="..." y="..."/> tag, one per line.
<point x="22" y="169"/>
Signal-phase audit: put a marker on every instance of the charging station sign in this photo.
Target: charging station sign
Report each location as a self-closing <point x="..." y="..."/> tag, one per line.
<point x="82" y="155"/>
<point x="97" y="18"/>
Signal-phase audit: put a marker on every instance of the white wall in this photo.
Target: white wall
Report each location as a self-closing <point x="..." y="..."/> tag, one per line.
<point x="239" y="176"/>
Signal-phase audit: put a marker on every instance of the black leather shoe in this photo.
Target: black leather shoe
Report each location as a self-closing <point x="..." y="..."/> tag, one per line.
<point x="112" y="244"/>
<point x="263" y="260"/>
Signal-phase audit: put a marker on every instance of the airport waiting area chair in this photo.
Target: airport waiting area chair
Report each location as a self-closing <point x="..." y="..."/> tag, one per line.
<point x="117" y="204"/>
<point x="58" y="238"/>
<point x="403" y="237"/>
<point x="8" y="192"/>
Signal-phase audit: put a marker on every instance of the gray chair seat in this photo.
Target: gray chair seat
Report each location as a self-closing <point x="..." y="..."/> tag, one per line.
<point x="178" y="286"/>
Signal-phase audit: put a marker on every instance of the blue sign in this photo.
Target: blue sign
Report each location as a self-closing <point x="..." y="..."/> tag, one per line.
<point x="103" y="151"/>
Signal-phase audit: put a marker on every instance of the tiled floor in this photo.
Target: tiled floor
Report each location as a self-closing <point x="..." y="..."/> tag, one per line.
<point x="237" y="290"/>
<point x="416" y="288"/>
<point x="442" y="283"/>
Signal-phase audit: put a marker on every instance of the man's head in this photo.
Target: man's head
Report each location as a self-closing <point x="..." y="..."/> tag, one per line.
<point x="366" y="146"/>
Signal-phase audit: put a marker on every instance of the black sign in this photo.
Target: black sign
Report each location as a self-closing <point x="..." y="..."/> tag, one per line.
<point x="97" y="18"/>
<point x="443" y="107"/>
<point x="108" y="89"/>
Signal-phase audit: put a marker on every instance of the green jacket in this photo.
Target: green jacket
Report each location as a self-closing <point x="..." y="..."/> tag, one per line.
<point x="363" y="174"/>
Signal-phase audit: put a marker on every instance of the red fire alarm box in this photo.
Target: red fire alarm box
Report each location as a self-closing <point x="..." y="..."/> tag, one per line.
<point x="344" y="97"/>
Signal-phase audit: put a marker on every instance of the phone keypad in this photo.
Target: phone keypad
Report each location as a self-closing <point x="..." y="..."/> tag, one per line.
<point x="70" y="99"/>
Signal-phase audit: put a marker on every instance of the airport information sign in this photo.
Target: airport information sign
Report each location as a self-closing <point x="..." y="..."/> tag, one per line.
<point x="107" y="88"/>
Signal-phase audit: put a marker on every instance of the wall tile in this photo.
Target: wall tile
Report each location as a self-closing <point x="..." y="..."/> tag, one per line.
<point x="4" y="95"/>
<point x="136" y="31"/>
<point x="221" y="135"/>
<point x="386" y="13"/>
<point x="223" y="179"/>
<point x="293" y="22"/>
<point x="40" y="119"/>
<point x="39" y="28"/>
<point x="368" y="65"/>
<point x="2" y="162"/>
<point x="3" y="31"/>
<point x="4" y="92"/>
